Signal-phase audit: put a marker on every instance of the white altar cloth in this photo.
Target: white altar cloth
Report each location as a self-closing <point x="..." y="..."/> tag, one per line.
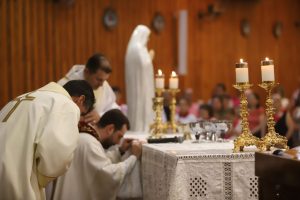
<point x="197" y="171"/>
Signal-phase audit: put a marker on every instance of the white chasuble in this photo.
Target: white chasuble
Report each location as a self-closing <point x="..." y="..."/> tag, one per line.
<point x="38" y="135"/>
<point x="132" y="184"/>
<point x="139" y="78"/>
<point x="105" y="96"/>
<point x="92" y="175"/>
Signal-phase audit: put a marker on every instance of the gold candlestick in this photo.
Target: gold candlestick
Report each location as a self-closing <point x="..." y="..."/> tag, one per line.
<point x="157" y="128"/>
<point x="246" y="138"/>
<point x="172" y="124"/>
<point x="272" y="138"/>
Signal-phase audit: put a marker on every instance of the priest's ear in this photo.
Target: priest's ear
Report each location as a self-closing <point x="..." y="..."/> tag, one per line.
<point x="109" y="129"/>
<point x="79" y="101"/>
<point x="86" y="71"/>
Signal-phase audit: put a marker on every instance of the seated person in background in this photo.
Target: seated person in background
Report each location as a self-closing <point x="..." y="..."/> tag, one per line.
<point x="295" y="94"/>
<point x="96" y="71"/>
<point x="92" y="175"/>
<point x="219" y="90"/>
<point x="119" y="99"/>
<point x="228" y="103"/>
<point x="236" y="128"/>
<point x="235" y="99"/>
<point x="284" y="123"/>
<point x="284" y="101"/>
<point x="256" y="117"/>
<point x="296" y="118"/>
<point x="183" y="116"/>
<point x="217" y="104"/>
<point x="205" y="112"/>
<point x="228" y="107"/>
<point x="38" y="135"/>
<point x="194" y="108"/>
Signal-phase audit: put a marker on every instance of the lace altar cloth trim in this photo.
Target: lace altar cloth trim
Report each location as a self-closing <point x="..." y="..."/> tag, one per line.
<point x="220" y="174"/>
<point x="227" y="171"/>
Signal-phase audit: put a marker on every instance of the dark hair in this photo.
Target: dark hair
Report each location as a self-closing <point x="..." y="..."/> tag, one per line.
<point x="77" y="88"/>
<point x="208" y="108"/>
<point x="226" y="96"/>
<point x="115" y="117"/>
<point x="220" y="98"/>
<point x="97" y="62"/>
<point x="221" y="85"/>
<point x="297" y="101"/>
<point x="116" y="89"/>
<point x="257" y="98"/>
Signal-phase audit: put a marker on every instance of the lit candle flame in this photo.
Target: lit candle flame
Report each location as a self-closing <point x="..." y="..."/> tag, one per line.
<point x="241" y="60"/>
<point x="173" y="74"/>
<point x="159" y="72"/>
<point x="267" y="59"/>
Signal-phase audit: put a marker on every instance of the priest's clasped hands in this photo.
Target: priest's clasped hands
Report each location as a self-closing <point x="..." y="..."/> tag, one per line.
<point x="134" y="146"/>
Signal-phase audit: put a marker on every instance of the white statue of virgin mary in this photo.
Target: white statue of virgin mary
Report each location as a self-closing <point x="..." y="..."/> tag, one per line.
<point x="139" y="78"/>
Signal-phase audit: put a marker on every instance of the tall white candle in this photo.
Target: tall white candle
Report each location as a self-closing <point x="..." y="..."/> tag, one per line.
<point x="173" y="81"/>
<point x="241" y="72"/>
<point x="267" y="70"/>
<point x="160" y="80"/>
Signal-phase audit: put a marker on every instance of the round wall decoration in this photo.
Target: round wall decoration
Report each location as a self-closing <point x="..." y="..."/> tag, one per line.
<point x="110" y="18"/>
<point x="158" y="22"/>
<point x="277" y="29"/>
<point x="245" y="28"/>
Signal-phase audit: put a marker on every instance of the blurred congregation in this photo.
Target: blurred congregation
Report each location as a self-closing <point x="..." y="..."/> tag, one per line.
<point x="223" y="106"/>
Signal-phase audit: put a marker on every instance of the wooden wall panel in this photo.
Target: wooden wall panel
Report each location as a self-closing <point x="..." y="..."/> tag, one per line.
<point x="40" y="40"/>
<point x="4" y="77"/>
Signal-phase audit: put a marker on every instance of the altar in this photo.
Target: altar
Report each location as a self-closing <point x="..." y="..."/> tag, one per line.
<point x="197" y="171"/>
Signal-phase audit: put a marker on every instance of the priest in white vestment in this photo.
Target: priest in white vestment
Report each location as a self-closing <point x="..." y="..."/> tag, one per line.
<point x="92" y="175"/>
<point x="96" y="71"/>
<point x="38" y="135"/>
<point x="132" y="184"/>
<point x="139" y="80"/>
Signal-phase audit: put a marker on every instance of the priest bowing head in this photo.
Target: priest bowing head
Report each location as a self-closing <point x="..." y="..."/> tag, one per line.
<point x="112" y="127"/>
<point x="81" y="94"/>
<point x="38" y="135"/>
<point x="92" y="174"/>
<point x="96" y="72"/>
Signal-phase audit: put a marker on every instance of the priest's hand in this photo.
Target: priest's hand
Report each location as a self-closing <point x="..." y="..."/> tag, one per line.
<point x="92" y="117"/>
<point x="136" y="149"/>
<point x="125" y="145"/>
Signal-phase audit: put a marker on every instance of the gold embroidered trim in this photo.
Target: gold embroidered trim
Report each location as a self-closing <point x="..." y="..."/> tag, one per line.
<point x="19" y="100"/>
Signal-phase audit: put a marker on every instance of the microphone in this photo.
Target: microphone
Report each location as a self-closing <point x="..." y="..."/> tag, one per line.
<point x="282" y="153"/>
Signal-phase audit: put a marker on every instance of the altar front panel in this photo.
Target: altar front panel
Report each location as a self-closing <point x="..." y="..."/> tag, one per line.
<point x="197" y="171"/>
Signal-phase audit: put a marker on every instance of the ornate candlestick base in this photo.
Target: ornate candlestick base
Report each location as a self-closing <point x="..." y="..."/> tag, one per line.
<point x="157" y="128"/>
<point x="172" y="125"/>
<point x="246" y="138"/>
<point x="271" y="139"/>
